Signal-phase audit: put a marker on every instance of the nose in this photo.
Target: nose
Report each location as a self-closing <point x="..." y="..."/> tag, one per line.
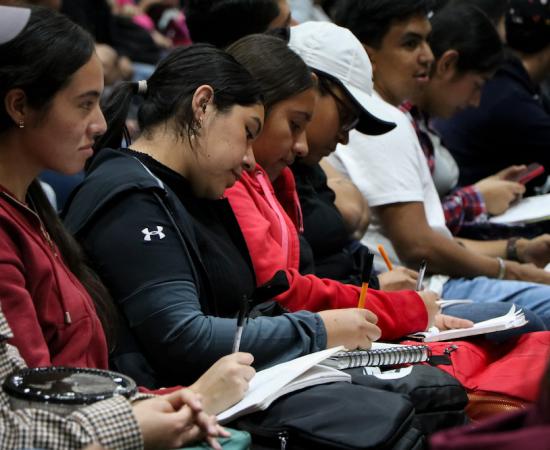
<point x="300" y="147"/>
<point x="98" y="125"/>
<point x="426" y="56"/>
<point x="249" y="161"/>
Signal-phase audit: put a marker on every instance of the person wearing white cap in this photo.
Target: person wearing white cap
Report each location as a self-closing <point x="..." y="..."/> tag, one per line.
<point x="343" y="67"/>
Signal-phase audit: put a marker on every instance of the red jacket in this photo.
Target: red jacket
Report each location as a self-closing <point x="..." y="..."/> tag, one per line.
<point x="52" y="316"/>
<point x="270" y="222"/>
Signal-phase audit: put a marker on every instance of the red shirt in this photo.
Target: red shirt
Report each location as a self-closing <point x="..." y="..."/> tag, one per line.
<point x="53" y="318"/>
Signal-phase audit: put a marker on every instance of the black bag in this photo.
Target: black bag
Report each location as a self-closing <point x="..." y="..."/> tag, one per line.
<point x="438" y="398"/>
<point x="335" y="416"/>
<point x="369" y="413"/>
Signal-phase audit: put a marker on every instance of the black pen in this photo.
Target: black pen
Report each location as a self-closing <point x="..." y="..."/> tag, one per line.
<point x="243" y="311"/>
<point x="421" y="273"/>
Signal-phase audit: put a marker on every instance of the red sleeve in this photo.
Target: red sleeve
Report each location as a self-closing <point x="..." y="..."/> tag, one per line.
<point x="399" y="313"/>
<point x="18" y="306"/>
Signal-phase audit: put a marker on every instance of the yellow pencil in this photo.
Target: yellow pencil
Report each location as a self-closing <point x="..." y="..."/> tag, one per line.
<point x="385" y="256"/>
<point x="363" y="295"/>
<point x="366" y="270"/>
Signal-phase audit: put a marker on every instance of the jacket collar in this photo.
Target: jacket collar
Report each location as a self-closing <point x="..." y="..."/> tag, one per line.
<point x="111" y="173"/>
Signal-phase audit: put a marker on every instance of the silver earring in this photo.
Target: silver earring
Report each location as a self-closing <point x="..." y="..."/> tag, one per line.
<point x="21" y="124"/>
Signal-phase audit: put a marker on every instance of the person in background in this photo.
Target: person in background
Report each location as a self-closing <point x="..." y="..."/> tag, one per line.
<point x="511" y="126"/>
<point x="463" y="63"/>
<point x="221" y="22"/>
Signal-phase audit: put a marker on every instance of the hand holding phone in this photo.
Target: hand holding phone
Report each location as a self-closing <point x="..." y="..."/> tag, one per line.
<point x="532" y="171"/>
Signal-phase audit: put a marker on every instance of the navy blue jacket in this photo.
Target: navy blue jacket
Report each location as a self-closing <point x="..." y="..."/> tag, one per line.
<point x="163" y="269"/>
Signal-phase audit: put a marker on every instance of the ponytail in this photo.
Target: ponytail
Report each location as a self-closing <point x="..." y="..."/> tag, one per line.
<point x="115" y="109"/>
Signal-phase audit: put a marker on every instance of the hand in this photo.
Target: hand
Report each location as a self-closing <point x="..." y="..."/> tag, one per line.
<point x="526" y="272"/>
<point x="398" y="279"/>
<point x="535" y="251"/>
<point x="175" y="420"/>
<point x="225" y="383"/>
<point x="445" y="322"/>
<point x="510" y="172"/>
<point x="353" y="328"/>
<point x="430" y="298"/>
<point x="499" y="194"/>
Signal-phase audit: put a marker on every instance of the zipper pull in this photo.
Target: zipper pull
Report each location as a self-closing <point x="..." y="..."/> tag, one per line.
<point x="450" y="349"/>
<point x="283" y="439"/>
<point x="68" y="319"/>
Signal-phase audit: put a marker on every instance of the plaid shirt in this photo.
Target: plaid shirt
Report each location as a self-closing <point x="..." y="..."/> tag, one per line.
<point x="110" y="423"/>
<point x="462" y="206"/>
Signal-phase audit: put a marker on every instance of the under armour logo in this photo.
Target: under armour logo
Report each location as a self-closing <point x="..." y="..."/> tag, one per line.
<point x="148" y="233"/>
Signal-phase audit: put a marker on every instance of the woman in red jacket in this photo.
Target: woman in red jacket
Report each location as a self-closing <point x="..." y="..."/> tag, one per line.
<point x="50" y="84"/>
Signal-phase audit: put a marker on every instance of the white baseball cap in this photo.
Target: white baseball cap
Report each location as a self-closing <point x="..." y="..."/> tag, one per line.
<point x="335" y="52"/>
<point x="12" y="21"/>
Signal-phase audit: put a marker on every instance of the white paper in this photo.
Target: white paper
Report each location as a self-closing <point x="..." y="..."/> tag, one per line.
<point x="530" y="209"/>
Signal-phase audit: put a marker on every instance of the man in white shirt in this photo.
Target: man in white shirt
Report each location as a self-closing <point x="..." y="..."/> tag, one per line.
<point x="392" y="173"/>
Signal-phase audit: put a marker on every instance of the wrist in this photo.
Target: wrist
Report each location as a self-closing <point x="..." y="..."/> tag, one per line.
<point x="520" y="245"/>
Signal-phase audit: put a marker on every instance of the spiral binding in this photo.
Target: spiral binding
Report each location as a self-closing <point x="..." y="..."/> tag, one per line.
<point x="408" y="354"/>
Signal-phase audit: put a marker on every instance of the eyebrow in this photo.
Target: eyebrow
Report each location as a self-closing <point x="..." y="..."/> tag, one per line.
<point x="94" y="94"/>
<point x="414" y="35"/>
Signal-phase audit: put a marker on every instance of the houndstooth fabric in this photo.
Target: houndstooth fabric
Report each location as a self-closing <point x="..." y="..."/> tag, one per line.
<point x="110" y="423"/>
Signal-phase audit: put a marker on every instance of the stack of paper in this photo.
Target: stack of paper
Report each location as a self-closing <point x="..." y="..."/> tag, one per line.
<point x="512" y="319"/>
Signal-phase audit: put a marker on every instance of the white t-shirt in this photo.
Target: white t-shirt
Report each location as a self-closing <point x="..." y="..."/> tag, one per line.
<point x="387" y="169"/>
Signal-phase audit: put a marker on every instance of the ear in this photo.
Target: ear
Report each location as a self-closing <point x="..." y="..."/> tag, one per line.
<point x="314" y="78"/>
<point x="445" y="66"/>
<point x="201" y="98"/>
<point x="15" y="103"/>
<point x="371" y="52"/>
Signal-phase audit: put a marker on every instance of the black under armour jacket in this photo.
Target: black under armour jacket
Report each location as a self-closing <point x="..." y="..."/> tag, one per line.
<point x="177" y="268"/>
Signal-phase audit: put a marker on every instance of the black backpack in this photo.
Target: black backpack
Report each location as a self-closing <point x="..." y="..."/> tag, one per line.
<point x="368" y="413"/>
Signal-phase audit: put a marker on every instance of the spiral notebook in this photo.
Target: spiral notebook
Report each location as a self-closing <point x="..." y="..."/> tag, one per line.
<point x="380" y="354"/>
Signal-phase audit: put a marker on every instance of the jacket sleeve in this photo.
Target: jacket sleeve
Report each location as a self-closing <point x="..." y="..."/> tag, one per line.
<point x="144" y="264"/>
<point x="18" y="305"/>
<point x="399" y="313"/>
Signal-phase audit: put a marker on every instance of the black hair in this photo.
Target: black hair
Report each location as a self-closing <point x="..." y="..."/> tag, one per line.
<point x="222" y="22"/>
<point x="370" y="20"/>
<point x="280" y="72"/>
<point x="479" y="50"/>
<point x="41" y="61"/>
<point x="495" y="9"/>
<point x="170" y="91"/>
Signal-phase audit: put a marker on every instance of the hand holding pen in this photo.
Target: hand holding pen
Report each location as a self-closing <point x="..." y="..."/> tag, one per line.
<point x="243" y="313"/>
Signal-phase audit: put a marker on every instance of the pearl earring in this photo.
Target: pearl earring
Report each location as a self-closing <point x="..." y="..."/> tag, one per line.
<point x="21" y="124"/>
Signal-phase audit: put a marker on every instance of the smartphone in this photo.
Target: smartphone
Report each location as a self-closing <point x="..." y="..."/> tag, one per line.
<point x="532" y="171"/>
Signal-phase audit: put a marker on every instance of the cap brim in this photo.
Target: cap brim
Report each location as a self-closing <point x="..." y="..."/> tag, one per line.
<point x="12" y="22"/>
<point x="371" y="119"/>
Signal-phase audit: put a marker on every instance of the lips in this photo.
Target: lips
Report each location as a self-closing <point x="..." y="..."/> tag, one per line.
<point x="422" y="76"/>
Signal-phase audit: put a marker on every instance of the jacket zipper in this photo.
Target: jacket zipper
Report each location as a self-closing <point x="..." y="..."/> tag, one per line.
<point x="274" y="205"/>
